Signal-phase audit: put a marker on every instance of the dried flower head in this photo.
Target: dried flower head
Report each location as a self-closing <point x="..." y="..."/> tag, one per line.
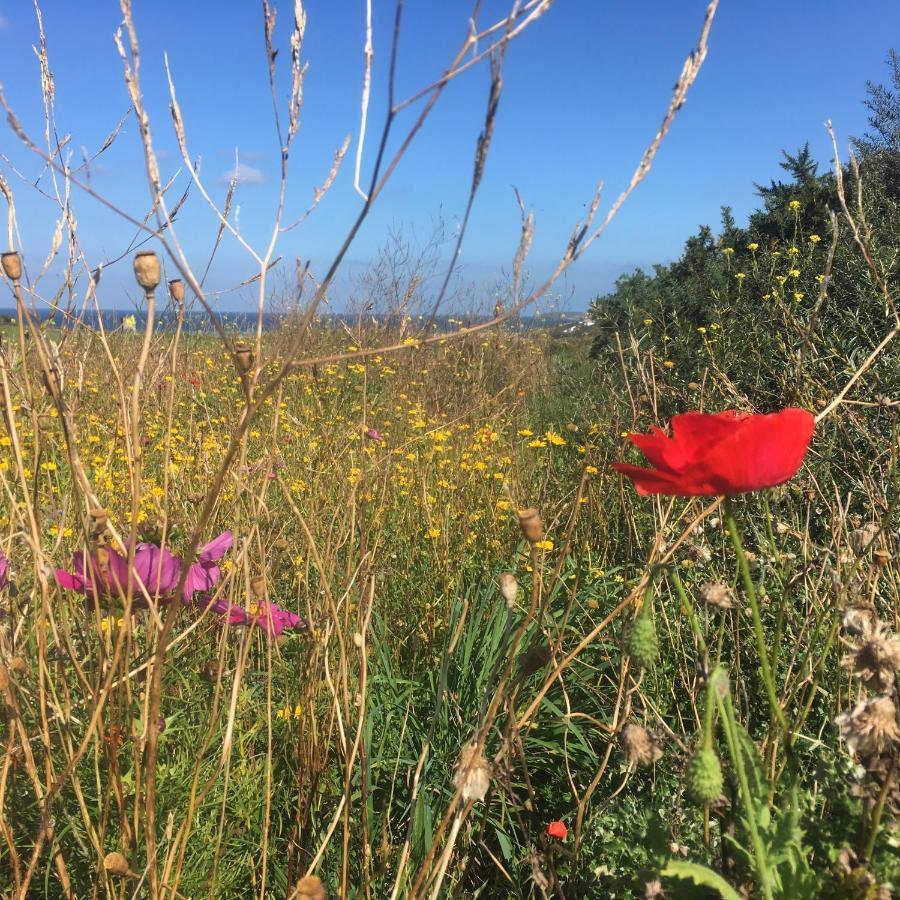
<point x="310" y="888"/>
<point x="870" y="727"/>
<point x="639" y="745"/>
<point x="146" y="269"/>
<point x="176" y="290"/>
<point x="859" y="619"/>
<point x="244" y="358"/>
<point x="473" y="772"/>
<point x="877" y="660"/>
<point x="115" y="863"/>
<point x="509" y="587"/>
<point x="861" y="538"/>
<point x="531" y="525"/>
<point x="716" y="593"/>
<point x="12" y="265"/>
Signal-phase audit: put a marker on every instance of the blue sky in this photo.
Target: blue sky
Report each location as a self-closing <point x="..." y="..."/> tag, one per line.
<point x="585" y="90"/>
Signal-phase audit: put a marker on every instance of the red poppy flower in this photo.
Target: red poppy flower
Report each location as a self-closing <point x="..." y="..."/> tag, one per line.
<point x="723" y="453"/>
<point x="557" y="830"/>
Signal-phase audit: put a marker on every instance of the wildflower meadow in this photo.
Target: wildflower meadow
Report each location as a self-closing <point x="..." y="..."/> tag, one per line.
<point x="407" y="602"/>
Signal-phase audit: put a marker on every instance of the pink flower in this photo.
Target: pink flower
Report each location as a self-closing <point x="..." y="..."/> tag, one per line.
<point x="104" y="574"/>
<point x="4" y="571"/>
<point x="267" y="616"/>
<point x="373" y="435"/>
<point x="204" y="574"/>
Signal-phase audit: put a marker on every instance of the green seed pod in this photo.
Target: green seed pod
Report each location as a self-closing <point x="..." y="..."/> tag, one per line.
<point x="703" y="777"/>
<point x="642" y="644"/>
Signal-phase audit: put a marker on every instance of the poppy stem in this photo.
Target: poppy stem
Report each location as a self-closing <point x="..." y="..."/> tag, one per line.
<point x="750" y="590"/>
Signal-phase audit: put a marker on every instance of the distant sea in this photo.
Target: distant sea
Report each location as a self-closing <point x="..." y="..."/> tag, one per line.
<point x="237" y="322"/>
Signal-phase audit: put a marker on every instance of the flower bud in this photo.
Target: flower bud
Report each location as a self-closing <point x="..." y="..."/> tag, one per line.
<point x="531" y="525"/>
<point x="642" y="644"/>
<point x="176" y="290"/>
<point x="703" y="777"/>
<point x="509" y="587"/>
<point x="12" y="265"/>
<point x="146" y="269"/>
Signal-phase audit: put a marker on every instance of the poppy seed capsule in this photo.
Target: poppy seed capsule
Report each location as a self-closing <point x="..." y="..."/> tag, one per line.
<point x="12" y="265"/>
<point x="531" y="525"/>
<point x="703" y="777"/>
<point x="146" y="269"/>
<point x="176" y="290"/>
<point x="309" y="888"/>
<point x="509" y="587"/>
<point x="244" y="358"/>
<point x="115" y="863"/>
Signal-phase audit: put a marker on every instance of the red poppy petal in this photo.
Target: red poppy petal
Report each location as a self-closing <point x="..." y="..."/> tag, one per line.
<point x="652" y="481"/>
<point x="762" y="452"/>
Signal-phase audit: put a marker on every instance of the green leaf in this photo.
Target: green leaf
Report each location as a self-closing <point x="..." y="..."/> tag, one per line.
<point x="700" y="875"/>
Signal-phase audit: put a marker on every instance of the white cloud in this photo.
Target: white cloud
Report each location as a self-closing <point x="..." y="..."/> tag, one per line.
<point x="244" y="174"/>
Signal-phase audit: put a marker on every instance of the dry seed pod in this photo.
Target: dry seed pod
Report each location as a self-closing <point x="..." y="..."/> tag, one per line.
<point x="861" y="538"/>
<point x="473" y="773"/>
<point x="531" y="525"/>
<point x="716" y="593"/>
<point x="258" y="585"/>
<point x="176" y="290"/>
<point x="99" y="519"/>
<point x="18" y="665"/>
<point x="309" y="888"/>
<point x="146" y="269"/>
<point x="115" y="863"/>
<point x="639" y="745"/>
<point x="509" y="587"/>
<point x="244" y="358"/>
<point x="4" y="677"/>
<point x="881" y="557"/>
<point x="12" y="265"/>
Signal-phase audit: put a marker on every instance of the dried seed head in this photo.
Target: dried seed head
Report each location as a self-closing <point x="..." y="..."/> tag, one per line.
<point x="99" y="519"/>
<point x="509" y="587"/>
<point x="639" y="745"/>
<point x="244" y="357"/>
<point x="146" y="269"/>
<point x="715" y="593"/>
<point x="258" y="586"/>
<point x="859" y="619"/>
<point x="870" y="727"/>
<point x="861" y="538"/>
<point x="12" y="265"/>
<point x="881" y="557"/>
<point x="531" y="525"/>
<point x="115" y="863"/>
<point x="309" y="888"/>
<point x="18" y="665"/>
<point x="473" y="773"/>
<point x="876" y="662"/>
<point x="176" y="290"/>
<point x="4" y="677"/>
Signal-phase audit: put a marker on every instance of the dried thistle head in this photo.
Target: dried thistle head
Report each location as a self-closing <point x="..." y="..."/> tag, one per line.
<point x="509" y="587"/>
<point x="639" y="745"/>
<point x="531" y="524"/>
<point x="716" y="593"/>
<point x="473" y="772"/>
<point x="870" y="727"/>
<point x="147" y="269"/>
<point x="877" y="660"/>
<point x="859" y="619"/>
<point x="861" y="538"/>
